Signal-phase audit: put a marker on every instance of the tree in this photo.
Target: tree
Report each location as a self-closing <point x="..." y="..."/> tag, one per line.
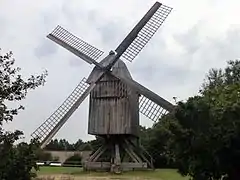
<point x="205" y="142"/>
<point x="53" y="145"/>
<point x="95" y="144"/>
<point x="78" y="144"/>
<point x="43" y="156"/>
<point x="154" y="140"/>
<point x="62" y="145"/>
<point x="16" y="160"/>
<point x="219" y="77"/>
<point x="73" y="160"/>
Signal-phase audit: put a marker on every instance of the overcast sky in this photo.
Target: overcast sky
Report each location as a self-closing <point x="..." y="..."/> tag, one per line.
<point x="197" y="36"/>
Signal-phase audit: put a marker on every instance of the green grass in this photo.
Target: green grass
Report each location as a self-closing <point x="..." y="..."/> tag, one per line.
<point x="162" y="174"/>
<point x="59" y="170"/>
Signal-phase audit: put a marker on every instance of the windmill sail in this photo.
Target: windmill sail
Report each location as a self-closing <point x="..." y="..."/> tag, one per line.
<point x="145" y="91"/>
<point x="50" y="127"/>
<point x="150" y="104"/>
<point x="151" y="109"/>
<point x="75" y="45"/>
<point x="143" y="31"/>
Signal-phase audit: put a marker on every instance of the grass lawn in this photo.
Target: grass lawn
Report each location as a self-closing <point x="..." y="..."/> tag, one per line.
<point x="79" y="174"/>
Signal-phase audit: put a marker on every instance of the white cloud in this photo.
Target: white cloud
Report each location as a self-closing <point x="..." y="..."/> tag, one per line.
<point x="197" y="35"/>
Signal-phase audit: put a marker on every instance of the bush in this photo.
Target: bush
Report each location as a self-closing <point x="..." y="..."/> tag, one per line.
<point x="43" y="156"/>
<point x="75" y="160"/>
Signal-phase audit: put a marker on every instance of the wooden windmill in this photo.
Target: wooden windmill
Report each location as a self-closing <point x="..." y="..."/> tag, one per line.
<point x="115" y="98"/>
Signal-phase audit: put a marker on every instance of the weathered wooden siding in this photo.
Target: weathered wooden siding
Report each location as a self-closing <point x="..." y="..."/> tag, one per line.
<point x="113" y="108"/>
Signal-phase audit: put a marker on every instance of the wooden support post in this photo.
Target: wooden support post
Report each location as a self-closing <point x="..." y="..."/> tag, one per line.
<point x="96" y="153"/>
<point x="132" y="152"/>
<point x="117" y="155"/>
<point x="140" y="152"/>
<point x="116" y="166"/>
<point x="99" y="154"/>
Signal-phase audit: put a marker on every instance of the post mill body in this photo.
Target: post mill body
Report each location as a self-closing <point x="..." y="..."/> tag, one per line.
<point x="113" y="106"/>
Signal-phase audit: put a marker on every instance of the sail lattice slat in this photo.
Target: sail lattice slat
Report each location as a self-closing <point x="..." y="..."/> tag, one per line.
<point x="44" y="129"/>
<point x="150" y="109"/>
<point x="67" y="38"/>
<point x="146" y="33"/>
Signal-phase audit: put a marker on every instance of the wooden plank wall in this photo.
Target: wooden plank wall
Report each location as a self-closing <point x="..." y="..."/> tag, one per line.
<point x="113" y="109"/>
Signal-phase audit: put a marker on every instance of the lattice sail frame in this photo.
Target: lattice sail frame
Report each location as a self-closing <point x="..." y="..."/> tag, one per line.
<point x="150" y="109"/>
<point x="47" y="126"/>
<point x="76" y="43"/>
<point x="146" y="33"/>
